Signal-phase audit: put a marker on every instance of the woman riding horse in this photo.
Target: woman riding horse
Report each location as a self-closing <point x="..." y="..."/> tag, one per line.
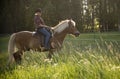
<point x="42" y="28"/>
<point x="25" y="40"/>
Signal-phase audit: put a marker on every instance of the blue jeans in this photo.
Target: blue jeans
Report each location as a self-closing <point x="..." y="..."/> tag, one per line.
<point x="47" y="35"/>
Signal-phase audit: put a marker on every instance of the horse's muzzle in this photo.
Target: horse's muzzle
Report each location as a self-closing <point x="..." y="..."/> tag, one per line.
<point x="77" y="33"/>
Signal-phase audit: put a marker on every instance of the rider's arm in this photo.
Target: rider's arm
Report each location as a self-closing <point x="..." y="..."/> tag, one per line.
<point x="42" y="24"/>
<point x="38" y="21"/>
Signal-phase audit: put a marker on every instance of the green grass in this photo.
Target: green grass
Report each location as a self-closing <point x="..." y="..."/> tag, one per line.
<point x="89" y="56"/>
<point x="3" y="50"/>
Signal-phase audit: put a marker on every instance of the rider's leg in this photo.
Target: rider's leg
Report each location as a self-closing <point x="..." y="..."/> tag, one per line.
<point x="47" y="37"/>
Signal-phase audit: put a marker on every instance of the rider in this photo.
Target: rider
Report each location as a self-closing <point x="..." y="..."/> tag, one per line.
<point x="42" y="28"/>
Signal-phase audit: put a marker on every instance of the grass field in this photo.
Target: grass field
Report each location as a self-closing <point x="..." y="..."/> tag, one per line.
<point x="89" y="56"/>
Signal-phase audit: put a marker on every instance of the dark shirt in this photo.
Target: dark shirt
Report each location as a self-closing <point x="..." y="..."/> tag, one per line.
<point x="38" y="21"/>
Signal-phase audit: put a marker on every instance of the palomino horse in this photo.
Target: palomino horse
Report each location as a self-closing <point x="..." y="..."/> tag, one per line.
<point x="25" y="40"/>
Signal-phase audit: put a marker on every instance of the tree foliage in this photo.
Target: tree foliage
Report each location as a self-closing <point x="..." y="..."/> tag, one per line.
<point x="89" y="15"/>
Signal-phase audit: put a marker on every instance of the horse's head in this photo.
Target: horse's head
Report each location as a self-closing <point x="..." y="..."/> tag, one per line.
<point x="67" y="26"/>
<point x="72" y="28"/>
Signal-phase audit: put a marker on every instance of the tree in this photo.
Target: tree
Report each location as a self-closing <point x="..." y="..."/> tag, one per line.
<point x="18" y="15"/>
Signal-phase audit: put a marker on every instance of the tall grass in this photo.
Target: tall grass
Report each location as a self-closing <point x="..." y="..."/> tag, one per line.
<point x="78" y="59"/>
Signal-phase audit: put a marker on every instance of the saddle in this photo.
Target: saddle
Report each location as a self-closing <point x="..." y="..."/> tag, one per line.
<point x="38" y="35"/>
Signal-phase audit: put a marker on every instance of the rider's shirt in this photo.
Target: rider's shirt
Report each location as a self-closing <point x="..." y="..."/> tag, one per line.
<point x="38" y="21"/>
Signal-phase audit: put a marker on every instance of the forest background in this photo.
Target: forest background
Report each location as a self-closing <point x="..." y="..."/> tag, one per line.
<point x="89" y="15"/>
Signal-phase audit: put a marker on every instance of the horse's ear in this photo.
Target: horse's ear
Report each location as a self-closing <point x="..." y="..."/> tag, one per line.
<point x="70" y="21"/>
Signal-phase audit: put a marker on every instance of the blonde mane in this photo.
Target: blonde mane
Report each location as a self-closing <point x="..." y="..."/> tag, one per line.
<point x="62" y="25"/>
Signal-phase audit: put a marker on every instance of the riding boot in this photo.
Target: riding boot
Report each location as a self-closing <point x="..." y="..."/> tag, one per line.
<point x="44" y="49"/>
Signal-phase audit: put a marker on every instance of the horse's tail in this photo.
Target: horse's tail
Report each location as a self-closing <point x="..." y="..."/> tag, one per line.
<point x="11" y="47"/>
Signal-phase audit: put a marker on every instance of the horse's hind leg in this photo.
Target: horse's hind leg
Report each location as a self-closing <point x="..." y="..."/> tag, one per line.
<point x="18" y="56"/>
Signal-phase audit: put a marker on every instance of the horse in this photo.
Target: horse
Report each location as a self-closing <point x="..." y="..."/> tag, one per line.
<point x="25" y="40"/>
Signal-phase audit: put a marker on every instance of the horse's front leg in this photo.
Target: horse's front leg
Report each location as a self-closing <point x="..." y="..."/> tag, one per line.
<point x="50" y="54"/>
